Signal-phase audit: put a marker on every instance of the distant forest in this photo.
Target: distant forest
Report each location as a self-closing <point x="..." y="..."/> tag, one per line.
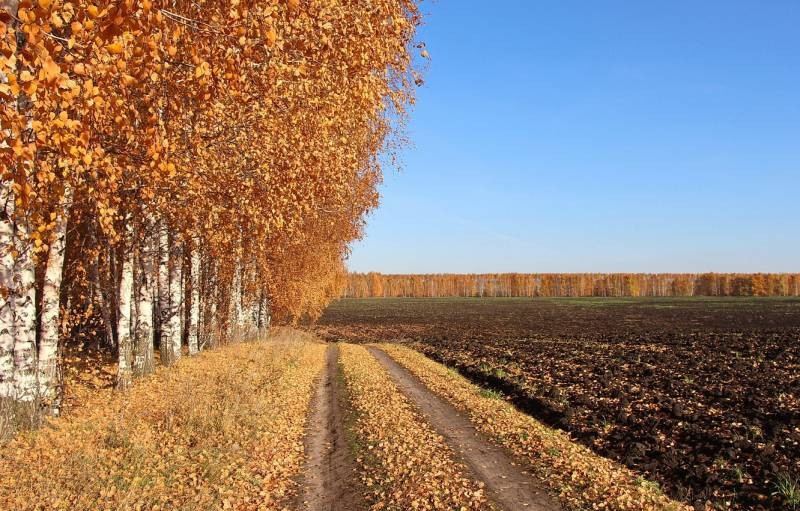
<point x="375" y="285"/>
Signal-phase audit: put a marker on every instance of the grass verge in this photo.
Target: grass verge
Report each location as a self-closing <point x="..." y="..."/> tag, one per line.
<point x="223" y="430"/>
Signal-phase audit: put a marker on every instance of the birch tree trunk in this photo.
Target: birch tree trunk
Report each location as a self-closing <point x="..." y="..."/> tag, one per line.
<point x="213" y="326"/>
<point x="209" y="323"/>
<point x="194" y="314"/>
<point x="24" y="315"/>
<point x="50" y="324"/>
<point x="175" y="300"/>
<point x="125" y="344"/>
<point x="6" y="292"/>
<point x="143" y="344"/>
<point x="264" y="318"/>
<point x="6" y="263"/>
<point x="23" y="293"/>
<point x="235" y="313"/>
<point x="164" y="295"/>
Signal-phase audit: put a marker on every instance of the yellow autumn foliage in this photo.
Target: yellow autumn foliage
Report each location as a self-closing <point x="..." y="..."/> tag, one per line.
<point x="253" y="130"/>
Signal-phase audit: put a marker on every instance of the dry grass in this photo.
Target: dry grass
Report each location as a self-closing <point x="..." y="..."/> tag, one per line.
<point x="289" y="335"/>
<point x="16" y="416"/>
<point x="221" y="430"/>
<point x="583" y="479"/>
<point x="85" y="372"/>
<point x="405" y="464"/>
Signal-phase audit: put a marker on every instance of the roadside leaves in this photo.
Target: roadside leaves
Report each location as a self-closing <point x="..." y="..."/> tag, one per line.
<point x="405" y="464"/>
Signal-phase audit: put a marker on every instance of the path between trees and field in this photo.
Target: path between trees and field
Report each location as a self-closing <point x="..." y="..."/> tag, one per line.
<point x="330" y="473"/>
<point x="507" y="483"/>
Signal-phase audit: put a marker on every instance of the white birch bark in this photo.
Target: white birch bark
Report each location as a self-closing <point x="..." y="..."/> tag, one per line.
<point x="143" y="346"/>
<point x="6" y="263"/>
<point x="17" y="338"/>
<point x="194" y="314"/>
<point x="50" y="324"/>
<point x="6" y="291"/>
<point x="24" y="314"/>
<point x="263" y="314"/>
<point x="175" y="300"/>
<point x="185" y="297"/>
<point x="236" y="313"/>
<point x="125" y="346"/>
<point x="164" y="314"/>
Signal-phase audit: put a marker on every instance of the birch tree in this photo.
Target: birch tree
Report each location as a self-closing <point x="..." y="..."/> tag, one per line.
<point x="175" y="338"/>
<point x="194" y="306"/>
<point x="50" y="324"/>
<point x="125" y="325"/>
<point x="6" y="292"/>
<point x="146" y="291"/>
<point x="164" y="311"/>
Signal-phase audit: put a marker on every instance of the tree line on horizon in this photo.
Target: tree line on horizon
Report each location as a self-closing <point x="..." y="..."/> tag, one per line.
<point x="175" y="173"/>
<point x="377" y="285"/>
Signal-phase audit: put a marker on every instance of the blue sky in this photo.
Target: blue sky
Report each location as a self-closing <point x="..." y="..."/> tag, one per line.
<point x="598" y="136"/>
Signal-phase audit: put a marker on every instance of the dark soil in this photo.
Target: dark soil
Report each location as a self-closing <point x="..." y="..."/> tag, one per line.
<point x="701" y="395"/>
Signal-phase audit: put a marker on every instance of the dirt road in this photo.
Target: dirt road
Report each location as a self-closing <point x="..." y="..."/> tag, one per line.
<point x="331" y="477"/>
<point x="331" y="480"/>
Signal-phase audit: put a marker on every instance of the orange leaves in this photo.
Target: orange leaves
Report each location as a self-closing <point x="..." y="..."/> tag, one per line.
<point x="26" y="15"/>
<point x="269" y="139"/>
<point x="405" y="464"/>
<point x="115" y="48"/>
<point x="271" y="36"/>
<point x="51" y="71"/>
<point x="204" y="69"/>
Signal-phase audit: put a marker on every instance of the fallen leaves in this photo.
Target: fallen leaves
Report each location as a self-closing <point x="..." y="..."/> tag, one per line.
<point x="115" y="48"/>
<point x="221" y="430"/>
<point x="405" y="463"/>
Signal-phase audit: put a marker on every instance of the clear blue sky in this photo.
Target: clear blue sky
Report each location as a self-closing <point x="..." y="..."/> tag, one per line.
<point x="599" y="136"/>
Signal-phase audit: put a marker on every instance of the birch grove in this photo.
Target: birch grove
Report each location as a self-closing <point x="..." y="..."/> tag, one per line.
<point x="376" y="285"/>
<point x="176" y="175"/>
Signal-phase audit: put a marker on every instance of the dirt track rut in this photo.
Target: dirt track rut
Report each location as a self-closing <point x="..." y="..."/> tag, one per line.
<point x="330" y="474"/>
